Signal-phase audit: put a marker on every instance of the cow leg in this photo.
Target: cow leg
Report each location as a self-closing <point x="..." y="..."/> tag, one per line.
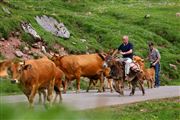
<point x="45" y="96"/>
<point x="32" y="95"/>
<point x="101" y="83"/>
<point x="148" y="83"/>
<point x="110" y="84"/>
<point x="57" y="88"/>
<point x="65" y="85"/>
<point x="152" y="82"/>
<point x="40" y="99"/>
<point x="133" y="83"/>
<point x="59" y="91"/>
<point x="90" y="83"/>
<point x="50" y="91"/>
<point x="78" y="84"/>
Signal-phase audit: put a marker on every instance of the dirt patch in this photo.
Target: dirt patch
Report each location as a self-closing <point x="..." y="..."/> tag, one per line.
<point x="10" y="47"/>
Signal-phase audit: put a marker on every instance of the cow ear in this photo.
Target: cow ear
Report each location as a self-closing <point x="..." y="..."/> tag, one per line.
<point x="28" y="66"/>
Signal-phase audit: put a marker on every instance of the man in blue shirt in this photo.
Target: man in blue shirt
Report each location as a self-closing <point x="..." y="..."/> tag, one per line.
<point x="126" y="50"/>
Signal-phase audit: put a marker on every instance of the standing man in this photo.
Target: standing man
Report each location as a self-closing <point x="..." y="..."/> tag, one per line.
<point x="154" y="57"/>
<point x="126" y="50"/>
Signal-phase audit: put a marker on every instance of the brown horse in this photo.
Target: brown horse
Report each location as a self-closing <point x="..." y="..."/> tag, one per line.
<point x="117" y="74"/>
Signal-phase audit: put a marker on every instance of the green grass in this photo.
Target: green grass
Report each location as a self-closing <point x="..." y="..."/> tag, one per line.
<point x="162" y="109"/>
<point x="102" y="23"/>
<point x="6" y="87"/>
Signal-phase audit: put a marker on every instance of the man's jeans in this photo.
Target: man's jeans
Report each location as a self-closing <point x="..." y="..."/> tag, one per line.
<point x="127" y="65"/>
<point x="157" y="70"/>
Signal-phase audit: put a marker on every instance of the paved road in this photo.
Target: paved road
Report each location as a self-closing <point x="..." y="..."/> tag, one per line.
<point x="92" y="99"/>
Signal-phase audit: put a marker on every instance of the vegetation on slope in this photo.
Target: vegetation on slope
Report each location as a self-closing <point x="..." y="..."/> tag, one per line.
<point x="102" y="23"/>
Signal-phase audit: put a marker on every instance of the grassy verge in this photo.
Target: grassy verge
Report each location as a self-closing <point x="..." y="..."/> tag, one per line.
<point x="162" y="109"/>
<point x="7" y="88"/>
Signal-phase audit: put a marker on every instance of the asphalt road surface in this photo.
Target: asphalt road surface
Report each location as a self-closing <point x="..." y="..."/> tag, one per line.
<point x="93" y="99"/>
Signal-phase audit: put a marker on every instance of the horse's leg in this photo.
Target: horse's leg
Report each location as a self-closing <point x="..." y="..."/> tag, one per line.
<point x="121" y="86"/>
<point x="141" y="86"/>
<point x="133" y="83"/>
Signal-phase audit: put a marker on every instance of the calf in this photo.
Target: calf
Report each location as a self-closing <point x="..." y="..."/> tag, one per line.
<point x="149" y="73"/>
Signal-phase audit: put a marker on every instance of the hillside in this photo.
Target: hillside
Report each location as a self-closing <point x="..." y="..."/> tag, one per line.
<point x="102" y="23"/>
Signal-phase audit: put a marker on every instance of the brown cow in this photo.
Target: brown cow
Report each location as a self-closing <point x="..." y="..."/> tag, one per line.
<point x="94" y="80"/>
<point x="57" y="86"/>
<point x="33" y="76"/>
<point x="75" y="66"/>
<point x="4" y="67"/>
<point x="58" y="82"/>
<point x="149" y="73"/>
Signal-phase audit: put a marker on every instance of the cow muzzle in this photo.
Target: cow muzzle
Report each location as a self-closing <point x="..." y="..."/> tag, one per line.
<point x="105" y="65"/>
<point x="14" y="81"/>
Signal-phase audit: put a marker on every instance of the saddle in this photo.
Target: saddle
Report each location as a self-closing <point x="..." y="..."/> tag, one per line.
<point x="135" y="67"/>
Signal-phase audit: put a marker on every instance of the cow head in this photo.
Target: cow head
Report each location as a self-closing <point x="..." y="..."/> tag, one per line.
<point x="4" y="65"/>
<point x="17" y="70"/>
<point x="139" y="60"/>
<point x="56" y="59"/>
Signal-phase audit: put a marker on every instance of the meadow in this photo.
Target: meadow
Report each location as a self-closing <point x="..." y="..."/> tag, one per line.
<point x="102" y="23"/>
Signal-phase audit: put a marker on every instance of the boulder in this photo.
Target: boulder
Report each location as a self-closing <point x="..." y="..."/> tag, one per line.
<point x="19" y="54"/>
<point x="52" y="25"/>
<point x="2" y="39"/>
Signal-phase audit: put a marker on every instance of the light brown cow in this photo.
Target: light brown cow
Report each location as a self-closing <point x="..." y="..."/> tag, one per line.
<point x="149" y="73"/>
<point x="4" y="67"/>
<point x="75" y="66"/>
<point x="57" y="86"/>
<point x="33" y="76"/>
<point x="94" y="80"/>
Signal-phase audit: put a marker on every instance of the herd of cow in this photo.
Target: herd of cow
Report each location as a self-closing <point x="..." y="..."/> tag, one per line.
<point x="38" y="75"/>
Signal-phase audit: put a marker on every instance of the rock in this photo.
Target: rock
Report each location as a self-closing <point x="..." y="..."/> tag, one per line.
<point x="173" y="66"/>
<point x="35" y="55"/>
<point x="43" y="49"/>
<point x="177" y="14"/>
<point x="17" y="34"/>
<point x="88" y="13"/>
<point x="18" y="53"/>
<point x="74" y="43"/>
<point x="83" y="40"/>
<point x="52" y="25"/>
<point x="2" y="39"/>
<point x="27" y="27"/>
<point x="6" y="10"/>
<point x="36" y="45"/>
<point x="147" y="16"/>
<point x="25" y="49"/>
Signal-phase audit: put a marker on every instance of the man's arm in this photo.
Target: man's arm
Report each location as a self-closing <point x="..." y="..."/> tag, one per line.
<point x="115" y="52"/>
<point x="128" y="52"/>
<point x="158" y="57"/>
